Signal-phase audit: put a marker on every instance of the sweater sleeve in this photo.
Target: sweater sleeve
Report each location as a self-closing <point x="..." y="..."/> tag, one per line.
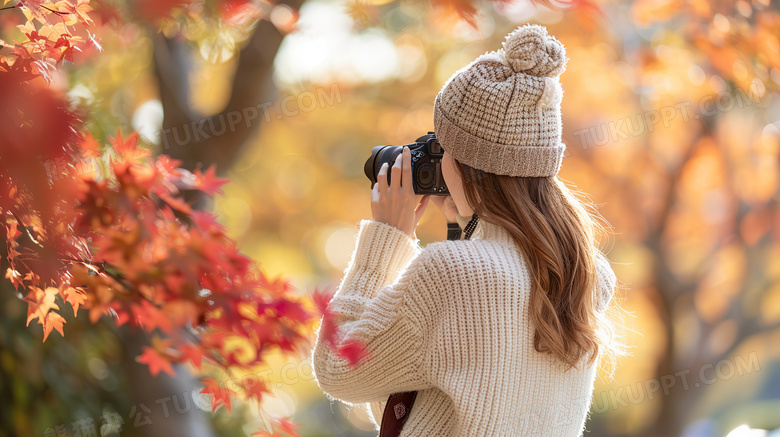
<point x="371" y="309"/>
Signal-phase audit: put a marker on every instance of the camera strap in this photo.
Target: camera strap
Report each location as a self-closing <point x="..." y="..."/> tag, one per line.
<point x="453" y="231"/>
<point x="399" y="405"/>
<point x="471" y="226"/>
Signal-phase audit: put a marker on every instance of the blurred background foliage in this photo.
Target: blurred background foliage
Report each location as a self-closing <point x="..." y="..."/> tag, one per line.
<point x="672" y="121"/>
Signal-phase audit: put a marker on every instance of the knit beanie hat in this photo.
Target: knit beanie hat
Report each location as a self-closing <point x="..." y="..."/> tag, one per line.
<point x="502" y="112"/>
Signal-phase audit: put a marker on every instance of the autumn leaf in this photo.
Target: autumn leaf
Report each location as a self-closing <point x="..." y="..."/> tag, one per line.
<point x="77" y="10"/>
<point x="206" y="221"/>
<point x="128" y="149"/>
<point x="15" y="277"/>
<point x="89" y="146"/>
<point x="254" y="387"/>
<point x="328" y="329"/>
<point x="219" y="395"/>
<point x="322" y="298"/>
<point x="74" y="296"/>
<point x="352" y="350"/>
<point x="151" y="317"/>
<point x="40" y="302"/>
<point x="191" y="353"/>
<point x="209" y="183"/>
<point x="292" y="310"/>
<point x="155" y="361"/>
<point x="52" y="321"/>
<point x="168" y="166"/>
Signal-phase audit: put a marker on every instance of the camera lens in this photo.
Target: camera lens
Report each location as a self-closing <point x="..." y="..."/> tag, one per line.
<point x="379" y="156"/>
<point x="425" y="175"/>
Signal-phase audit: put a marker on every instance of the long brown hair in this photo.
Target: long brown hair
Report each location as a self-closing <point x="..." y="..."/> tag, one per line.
<point x="557" y="236"/>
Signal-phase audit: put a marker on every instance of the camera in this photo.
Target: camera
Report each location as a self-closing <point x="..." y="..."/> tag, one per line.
<point x="426" y="154"/>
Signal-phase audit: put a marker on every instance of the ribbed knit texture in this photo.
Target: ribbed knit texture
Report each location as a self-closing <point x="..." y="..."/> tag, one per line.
<point x="451" y="321"/>
<point x="502" y="112"/>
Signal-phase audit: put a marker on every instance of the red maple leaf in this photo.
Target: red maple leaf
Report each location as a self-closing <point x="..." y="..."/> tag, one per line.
<point x="192" y="354"/>
<point x="206" y="221"/>
<point x="328" y="327"/>
<point x="168" y="166"/>
<point x="322" y="299"/>
<point x="209" y="183"/>
<point x="352" y="350"/>
<point x="291" y="310"/>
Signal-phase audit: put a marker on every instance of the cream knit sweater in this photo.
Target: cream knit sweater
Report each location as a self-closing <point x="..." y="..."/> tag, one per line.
<point x="451" y="321"/>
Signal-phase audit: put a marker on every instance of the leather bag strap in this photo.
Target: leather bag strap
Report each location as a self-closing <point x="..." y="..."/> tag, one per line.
<point x="397" y="410"/>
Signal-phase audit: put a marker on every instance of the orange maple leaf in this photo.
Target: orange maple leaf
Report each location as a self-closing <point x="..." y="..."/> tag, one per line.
<point x="254" y="388"/>
<point x="192" y="354"/>
<point x="128" y="149"/>
<point x="219" y="395"/>
<point x="52" y="321"/>
<point x="74" y="296"/>
<point x="14" y="276"/>
<point x="89" y="146"/>
<point x="151" y="317"/>
<point x="209" y="183"/>
<point x="156" y="362"/>
<point x="39" y="303"/>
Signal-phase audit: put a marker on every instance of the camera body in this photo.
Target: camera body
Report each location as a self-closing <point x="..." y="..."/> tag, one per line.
<point x="427" y="154"/>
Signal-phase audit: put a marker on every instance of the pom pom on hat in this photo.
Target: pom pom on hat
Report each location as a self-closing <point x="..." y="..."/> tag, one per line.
<point x="530" y="50"/>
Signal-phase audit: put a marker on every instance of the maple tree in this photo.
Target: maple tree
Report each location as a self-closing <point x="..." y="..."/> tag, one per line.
<point x="130" y="246"/>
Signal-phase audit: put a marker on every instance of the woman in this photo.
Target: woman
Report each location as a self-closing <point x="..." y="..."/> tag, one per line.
<point x="499" y="333"/>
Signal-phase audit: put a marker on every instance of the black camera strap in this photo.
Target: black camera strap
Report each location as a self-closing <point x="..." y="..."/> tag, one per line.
<point x="471" y="226"/>
<point x="454" y="231"/>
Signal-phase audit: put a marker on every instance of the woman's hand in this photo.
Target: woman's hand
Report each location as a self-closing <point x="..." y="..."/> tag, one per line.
<point x="447" y="207"/>
<point x="396" y="204"/>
